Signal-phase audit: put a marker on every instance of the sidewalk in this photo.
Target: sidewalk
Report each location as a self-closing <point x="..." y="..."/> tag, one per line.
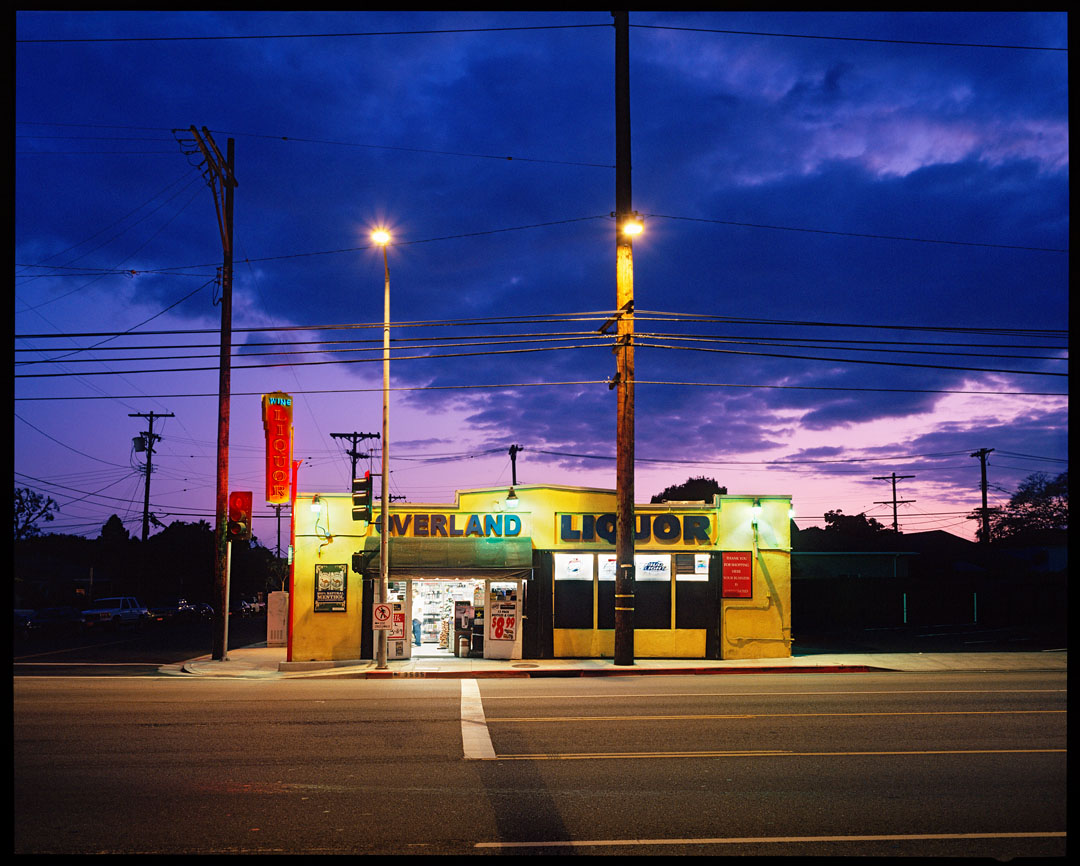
<point x="261" y="661"/>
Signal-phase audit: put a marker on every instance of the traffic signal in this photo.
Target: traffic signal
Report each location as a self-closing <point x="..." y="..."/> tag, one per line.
<point x="239" y="526"/>
<point x="361" y="498"/>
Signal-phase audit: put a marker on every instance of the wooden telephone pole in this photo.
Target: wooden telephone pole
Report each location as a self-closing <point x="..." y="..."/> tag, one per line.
<point x="895" y="501"/>
<point x="148" y="438"/>
<point x="982" y="454"/>
<point x="222" y="182"/>
<point x="624" y="354"/>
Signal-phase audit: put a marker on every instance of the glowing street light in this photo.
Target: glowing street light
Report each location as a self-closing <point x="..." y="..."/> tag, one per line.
<point x="382" y="237"/>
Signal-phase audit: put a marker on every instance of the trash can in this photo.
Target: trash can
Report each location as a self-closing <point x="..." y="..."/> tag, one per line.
<point x="463" y="647"/>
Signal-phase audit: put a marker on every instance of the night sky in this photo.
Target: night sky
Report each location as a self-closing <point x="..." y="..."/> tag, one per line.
<point x="855" y="258"/>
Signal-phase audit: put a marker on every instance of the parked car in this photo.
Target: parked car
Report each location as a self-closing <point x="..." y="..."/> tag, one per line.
<point x="202" y="610"/>
<point x="55" y="620"/>
<point x="121" y="610"/>
<point x="242" y="607"/>
<point x="178" y="608"/>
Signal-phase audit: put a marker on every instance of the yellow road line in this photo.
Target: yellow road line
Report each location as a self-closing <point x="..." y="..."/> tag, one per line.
<point x="767" y="716"/>
<point x="831" y="693"/>
<point x="752" y="840"/>
<point x="749" y="753"/>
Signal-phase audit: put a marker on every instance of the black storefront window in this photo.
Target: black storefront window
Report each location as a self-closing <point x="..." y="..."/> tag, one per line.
<point x="573" y="604"/>
<point x="652" y="603"/>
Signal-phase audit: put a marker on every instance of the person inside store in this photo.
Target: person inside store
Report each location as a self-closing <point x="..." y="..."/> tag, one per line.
<point x="416" y="632"/>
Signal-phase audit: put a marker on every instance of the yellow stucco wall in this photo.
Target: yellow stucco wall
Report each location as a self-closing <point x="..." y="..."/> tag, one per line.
<point x="759" y="627"/>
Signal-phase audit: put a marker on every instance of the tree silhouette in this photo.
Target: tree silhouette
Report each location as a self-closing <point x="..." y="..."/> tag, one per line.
<point x="700" y="489"/>
<point x="1040" y="503"/>
<point x="30" y="507"/>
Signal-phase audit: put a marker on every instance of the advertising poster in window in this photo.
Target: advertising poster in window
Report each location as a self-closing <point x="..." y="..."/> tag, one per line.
<point x="502" y="624"/>
<point x="573" y="566"/>
<point x="736" y="574"/>
<point x="608" y="564"/>
<point x="330" y="587"/>
<point x="652" y="566"/>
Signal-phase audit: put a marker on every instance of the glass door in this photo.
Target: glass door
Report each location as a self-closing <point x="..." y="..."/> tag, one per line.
<point x="503" y="620"/>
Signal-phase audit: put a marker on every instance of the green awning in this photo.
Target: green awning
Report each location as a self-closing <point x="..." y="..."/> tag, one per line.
<point x="452" y="557"/>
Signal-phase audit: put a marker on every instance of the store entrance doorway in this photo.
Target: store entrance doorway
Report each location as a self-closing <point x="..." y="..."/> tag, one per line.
<point x="457" y="617"/>
<point x="439" y="606"/>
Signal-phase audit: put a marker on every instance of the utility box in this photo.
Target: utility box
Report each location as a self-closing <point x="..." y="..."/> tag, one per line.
<point x="277" y="618"/>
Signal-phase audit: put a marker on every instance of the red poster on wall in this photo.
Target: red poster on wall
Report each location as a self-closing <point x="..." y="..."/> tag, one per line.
<point x="736" y="574"/>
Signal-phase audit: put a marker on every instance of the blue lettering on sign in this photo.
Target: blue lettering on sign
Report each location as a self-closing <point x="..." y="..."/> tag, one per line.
<point x="666" y="527"/>
<point x="692" y="528"/>
<point x="447" y="525"/>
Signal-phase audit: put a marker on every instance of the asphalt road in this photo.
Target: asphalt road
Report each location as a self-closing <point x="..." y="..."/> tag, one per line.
<point x="942" y="764"/>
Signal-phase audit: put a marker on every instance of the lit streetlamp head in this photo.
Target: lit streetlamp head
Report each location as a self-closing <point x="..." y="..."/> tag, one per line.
<point x="381" y="237"/>
<point x="633" y="225"/>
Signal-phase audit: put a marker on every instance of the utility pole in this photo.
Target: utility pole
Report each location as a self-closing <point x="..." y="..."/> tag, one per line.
<point x="624" y="353"/>
<point x="354" y="454"/>
<point x="895" y="501"/>
<point x="514" y="449"/>
<point x="982" y="454"/>
<point x="222" y="181"/>
<point x="149" y="437"/>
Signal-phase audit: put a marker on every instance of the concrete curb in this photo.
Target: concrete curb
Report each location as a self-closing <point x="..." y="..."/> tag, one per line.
<point x="569" y="673"/>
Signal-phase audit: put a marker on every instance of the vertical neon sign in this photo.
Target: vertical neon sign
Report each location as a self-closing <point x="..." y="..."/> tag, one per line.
<point x="277" y="411"/>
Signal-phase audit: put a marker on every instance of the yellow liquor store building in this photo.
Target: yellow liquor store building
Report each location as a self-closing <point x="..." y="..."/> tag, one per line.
<point x="530" y="573"/>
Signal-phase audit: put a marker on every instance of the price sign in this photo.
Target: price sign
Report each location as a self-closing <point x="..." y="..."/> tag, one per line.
<point x="381" y="616"/>
<point x="397" y="626"/>
<point x="503" y="621"/>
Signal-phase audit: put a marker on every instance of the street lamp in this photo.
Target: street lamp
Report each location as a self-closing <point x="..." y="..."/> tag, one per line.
<point x="382" y="237"/>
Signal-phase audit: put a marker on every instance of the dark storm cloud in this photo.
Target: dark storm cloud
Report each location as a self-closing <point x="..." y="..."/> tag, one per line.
<point x="731" y="133"/>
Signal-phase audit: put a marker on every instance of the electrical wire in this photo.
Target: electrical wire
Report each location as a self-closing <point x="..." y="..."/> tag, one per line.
<point x="506" y="386"/>
<point x="832" y="360"/>
<point x="860" y="234"/>
<point x="314" y="35"/>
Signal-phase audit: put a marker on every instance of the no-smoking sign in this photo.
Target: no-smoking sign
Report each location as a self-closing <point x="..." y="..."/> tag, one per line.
<point x="382" y="616"/>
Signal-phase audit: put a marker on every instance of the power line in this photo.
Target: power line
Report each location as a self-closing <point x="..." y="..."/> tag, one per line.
<point x="851" y="38"/>
<point x="531" y="28"/>
<point x="288" y="138"/>
<point x="815" y="358"/>
<point x="658" y="315"/>
<point x="593" y="315"/>
<point x="513" y="385"/>
<point x="64" y="444"/>
<point x="861" y="234"/>
<point x="312" y="35"/>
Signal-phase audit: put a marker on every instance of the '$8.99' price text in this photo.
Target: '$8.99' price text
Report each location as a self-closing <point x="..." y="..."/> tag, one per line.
<point x="502" y="627"/>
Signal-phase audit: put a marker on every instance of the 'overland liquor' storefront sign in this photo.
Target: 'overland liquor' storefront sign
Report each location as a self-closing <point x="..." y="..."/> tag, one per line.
<point x="687" y="528"/>
<point x="453" y="525"/>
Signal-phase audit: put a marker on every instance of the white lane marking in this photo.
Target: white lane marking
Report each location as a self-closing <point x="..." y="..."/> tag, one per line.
<point x="750" y="840"/>
<point x="474" y="730"/>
